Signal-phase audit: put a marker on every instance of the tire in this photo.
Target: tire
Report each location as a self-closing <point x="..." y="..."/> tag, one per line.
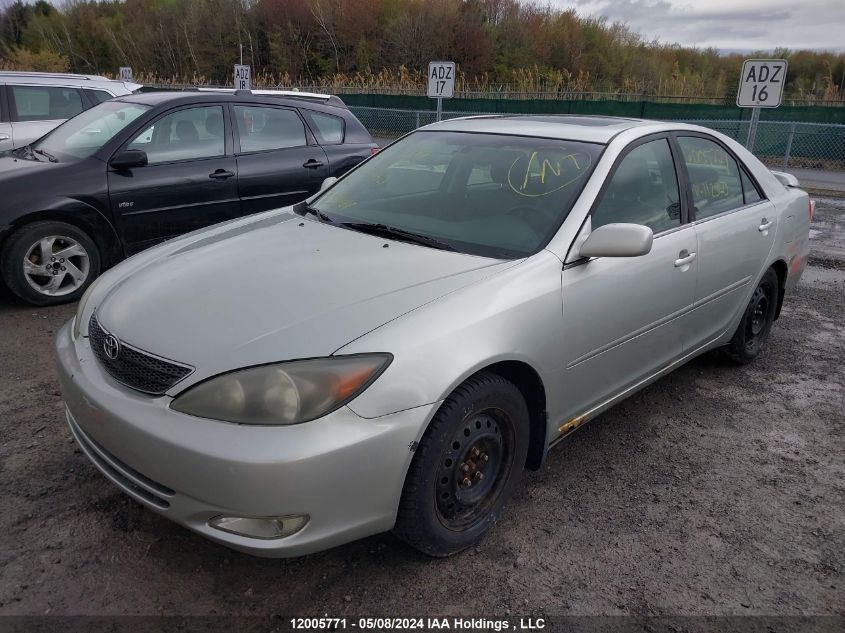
<point x="756" y="322"/>
<point x="484" y="425"/>
<point x="46" y="263"/>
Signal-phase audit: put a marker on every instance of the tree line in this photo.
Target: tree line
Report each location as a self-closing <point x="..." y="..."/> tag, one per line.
<point x="499" y="45"/>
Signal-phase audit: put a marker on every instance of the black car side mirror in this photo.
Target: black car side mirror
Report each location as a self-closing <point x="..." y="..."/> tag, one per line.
<point x="128" y="158"/>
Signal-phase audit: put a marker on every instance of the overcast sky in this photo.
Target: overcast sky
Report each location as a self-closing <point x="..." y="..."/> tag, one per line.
<point x="727" y="24"/>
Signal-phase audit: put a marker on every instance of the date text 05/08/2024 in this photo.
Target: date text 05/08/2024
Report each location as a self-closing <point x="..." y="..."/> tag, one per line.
<point x="417" y="624"/>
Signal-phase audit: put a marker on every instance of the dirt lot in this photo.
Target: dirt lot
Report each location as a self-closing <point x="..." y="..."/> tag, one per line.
<point x="718" y="490"/>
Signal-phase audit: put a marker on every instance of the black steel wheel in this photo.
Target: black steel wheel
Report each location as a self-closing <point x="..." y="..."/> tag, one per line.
<point x="466" y="467"/>
<point x="756" y="322"/>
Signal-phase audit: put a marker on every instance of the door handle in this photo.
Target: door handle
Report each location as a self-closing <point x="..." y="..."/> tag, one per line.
<point x="765" y="225"/>
<point x="4" y="137"/>
<point x="221" y="174"/>
<point x="683" y="260"/>
<point x="312" y="164"/>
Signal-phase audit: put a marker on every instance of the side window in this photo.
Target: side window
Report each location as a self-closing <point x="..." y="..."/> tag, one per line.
<point x="329" y="129"/>
<point x="262" y="129"/>
<point x="714" y="176"/>
<point x="98" y="96"/>
<point x="184" y="135"/>
<point x="642" y="190"/>
<point x="749" y="190"/>
<point x="45" y="103"/>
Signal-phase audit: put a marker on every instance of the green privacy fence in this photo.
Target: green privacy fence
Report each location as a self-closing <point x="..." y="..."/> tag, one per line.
<point x="636" y="109"/>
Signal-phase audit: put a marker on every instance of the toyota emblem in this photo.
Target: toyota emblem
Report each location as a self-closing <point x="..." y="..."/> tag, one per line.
<point x="111" y="346"/>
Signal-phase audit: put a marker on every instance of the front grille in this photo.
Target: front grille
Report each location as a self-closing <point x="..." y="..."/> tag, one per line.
<point x="134" y="368"/>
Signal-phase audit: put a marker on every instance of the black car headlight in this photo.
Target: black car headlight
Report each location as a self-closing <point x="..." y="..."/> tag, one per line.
<point x="283" y="393"/>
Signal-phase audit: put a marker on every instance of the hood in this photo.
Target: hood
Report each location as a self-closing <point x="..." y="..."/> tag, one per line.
<point x="278" y="289"/>
<point x="14" y="167"/>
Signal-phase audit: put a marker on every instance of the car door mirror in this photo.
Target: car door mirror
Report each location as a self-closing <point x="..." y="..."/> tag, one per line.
<point x="618" y="240"/>
<point x="328" y="182"/>
<point x="128" y="158"/>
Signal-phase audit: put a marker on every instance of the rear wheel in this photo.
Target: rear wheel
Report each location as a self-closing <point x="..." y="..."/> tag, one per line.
<point x="465" y="468"/>
<point x="756" y="322"/>
<point x="46" y="263"/>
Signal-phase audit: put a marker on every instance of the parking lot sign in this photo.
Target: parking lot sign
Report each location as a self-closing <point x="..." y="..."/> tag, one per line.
<point x="761" y="84"/>
<point x="441" y="83"/>
<point x="243" y="77"/>
<point x="126" y="73"/>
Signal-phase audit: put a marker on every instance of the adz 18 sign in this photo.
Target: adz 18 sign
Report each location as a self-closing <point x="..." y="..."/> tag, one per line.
<point x="243" y="79"/>
<point x="761" y="84"/>
<point x="441" y="79"/>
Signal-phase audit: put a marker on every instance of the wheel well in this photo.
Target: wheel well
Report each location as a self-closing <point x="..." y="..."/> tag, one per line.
<point x="531" y="386"/>
<point x="95" y="225"/>
<point x="780" y="268"/>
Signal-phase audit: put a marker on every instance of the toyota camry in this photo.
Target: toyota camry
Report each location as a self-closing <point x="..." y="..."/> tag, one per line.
<point x="393" y="352"/>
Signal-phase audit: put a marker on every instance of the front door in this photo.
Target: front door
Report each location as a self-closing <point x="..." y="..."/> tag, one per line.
<point x="35" y="110"/>
<point x="624" y="317"/>
<point x="190" y="180"/>
<point x="736" y="229"/>
<point x="278" y="161"/>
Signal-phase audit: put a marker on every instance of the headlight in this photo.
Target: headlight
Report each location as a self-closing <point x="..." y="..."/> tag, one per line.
<point x="77" y="319"/>
<point x="283" y="393"/>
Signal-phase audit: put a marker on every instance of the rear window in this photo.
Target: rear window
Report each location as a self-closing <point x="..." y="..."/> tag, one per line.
<point x="45" y="103"/>
<point x="328" y="129"/>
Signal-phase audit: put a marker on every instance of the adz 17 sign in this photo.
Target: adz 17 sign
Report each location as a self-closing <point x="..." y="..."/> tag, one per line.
<point x="441" y="80"/>
<point x="761" y="84"/>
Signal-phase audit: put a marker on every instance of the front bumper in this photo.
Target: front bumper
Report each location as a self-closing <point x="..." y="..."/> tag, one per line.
<point x="345" y="472"/>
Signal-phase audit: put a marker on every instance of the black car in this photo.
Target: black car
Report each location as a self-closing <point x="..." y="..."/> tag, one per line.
<point x="139" y="169"/>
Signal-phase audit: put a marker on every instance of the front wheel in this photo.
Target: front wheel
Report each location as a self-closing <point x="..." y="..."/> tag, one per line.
<point x="466" y="467"/>
<point x="756" y="322"/>
<point x="46" y="263"/>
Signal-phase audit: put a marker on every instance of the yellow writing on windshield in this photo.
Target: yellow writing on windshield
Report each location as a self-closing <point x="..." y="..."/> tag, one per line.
<point x="543" y="176"/>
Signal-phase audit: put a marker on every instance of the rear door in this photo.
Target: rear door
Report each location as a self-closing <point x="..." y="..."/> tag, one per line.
<point x="279" y="161"/>
<point x="736" y="228"/>
<point x="343" y="150"/>
<point x="7" y="141"/>
<point x="190" y="180"/>
<point x="35" y="110"/>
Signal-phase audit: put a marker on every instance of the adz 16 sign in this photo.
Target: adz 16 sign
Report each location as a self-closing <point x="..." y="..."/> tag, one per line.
<point x="761" y="84"/>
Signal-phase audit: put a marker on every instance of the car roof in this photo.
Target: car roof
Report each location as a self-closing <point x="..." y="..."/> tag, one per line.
<point x="591" y="129"/>
<point x="185" y="97"/>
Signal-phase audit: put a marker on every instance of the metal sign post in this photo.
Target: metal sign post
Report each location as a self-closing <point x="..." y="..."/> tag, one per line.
<point x="441" y="83"/>
<point x="760" y="86"/>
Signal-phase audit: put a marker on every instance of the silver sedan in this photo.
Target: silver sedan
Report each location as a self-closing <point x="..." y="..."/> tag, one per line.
<point x="395" y="351"/>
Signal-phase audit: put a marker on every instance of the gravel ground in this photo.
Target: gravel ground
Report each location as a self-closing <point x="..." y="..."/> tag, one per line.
<point x="717" y="490"/>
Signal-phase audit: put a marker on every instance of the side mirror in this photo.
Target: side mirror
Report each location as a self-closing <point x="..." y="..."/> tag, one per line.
<point x="128" y="158"/>
<point x="328" y="182"/>
<point x="618" y="240"/>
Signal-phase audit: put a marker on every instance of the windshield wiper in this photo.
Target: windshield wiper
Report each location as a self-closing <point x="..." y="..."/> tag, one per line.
<point x="383" y="230"/>
<point x="302" y="209"/>
<point x="46" y="155"/>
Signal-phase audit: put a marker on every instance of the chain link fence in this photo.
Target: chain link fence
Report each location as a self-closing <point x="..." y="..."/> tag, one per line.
<point x="779" y="144"/>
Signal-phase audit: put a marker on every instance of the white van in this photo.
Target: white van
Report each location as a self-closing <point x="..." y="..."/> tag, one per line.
<point x="32" y="104"/>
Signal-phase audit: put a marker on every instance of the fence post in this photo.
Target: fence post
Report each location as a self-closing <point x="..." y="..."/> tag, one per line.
<point x="789" y="145"/>
<point x="418" y="120"/>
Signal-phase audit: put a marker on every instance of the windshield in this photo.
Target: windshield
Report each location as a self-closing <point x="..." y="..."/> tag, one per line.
<point x="485" y="194"/>
<point x="88" y="131"/>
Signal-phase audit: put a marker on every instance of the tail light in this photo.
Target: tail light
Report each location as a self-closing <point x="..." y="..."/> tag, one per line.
<point x="374" y="151"/>
<point x="811" y="206"/>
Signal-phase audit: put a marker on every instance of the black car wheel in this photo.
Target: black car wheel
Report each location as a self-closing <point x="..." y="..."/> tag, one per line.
<point x="46" y="263"/>
<point x="466" y="467"/>
<point x="756" y="322"/>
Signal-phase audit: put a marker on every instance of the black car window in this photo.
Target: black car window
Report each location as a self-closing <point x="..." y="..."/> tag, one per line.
<point x="713" y="175"/>
<point x="266" y="128"/>
<point x="749" y="191"/>
<point x="642" y="190"/>
<point x="328" y="128"/>
<point x="98" y="96"/>
<point x="184" y="135"/>
<point x="45" y="103"/>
